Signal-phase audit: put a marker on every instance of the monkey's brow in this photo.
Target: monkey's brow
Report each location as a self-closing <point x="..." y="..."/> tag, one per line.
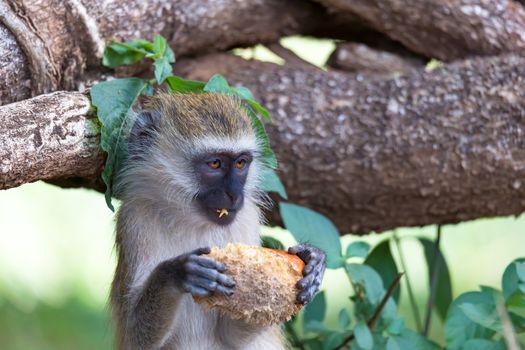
<point x="224" y="153"/>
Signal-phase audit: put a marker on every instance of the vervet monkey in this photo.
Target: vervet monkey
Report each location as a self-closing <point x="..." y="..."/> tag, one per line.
<point x="190" y="183"/>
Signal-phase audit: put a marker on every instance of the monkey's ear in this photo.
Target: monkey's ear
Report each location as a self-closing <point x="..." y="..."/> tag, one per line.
<point x="147" y="124"/>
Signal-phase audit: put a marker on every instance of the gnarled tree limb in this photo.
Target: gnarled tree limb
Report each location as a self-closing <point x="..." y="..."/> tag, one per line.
<point x="447" y="30"/>
<point x="372" y="154"/>
<point x="62" y="39"/>
<point x="47" y="137"/>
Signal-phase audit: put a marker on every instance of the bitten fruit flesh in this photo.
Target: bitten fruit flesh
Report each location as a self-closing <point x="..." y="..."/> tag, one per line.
<point x="265" y="291"/>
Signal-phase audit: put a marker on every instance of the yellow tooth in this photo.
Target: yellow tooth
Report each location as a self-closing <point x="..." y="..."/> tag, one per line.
<point x="222" y="212"/>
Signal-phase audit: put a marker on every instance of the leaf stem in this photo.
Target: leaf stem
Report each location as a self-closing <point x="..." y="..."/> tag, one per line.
<point x="296" y="342"/>
<point x="433" y="283"/>
<point x="413" y="304"/>
<point x="509" y="334"/>
<point x="377" y="312"/>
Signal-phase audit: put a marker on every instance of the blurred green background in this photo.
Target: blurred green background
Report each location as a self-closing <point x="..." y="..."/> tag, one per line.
<point x="57" y="260"/>
<point x="57" y="257"/>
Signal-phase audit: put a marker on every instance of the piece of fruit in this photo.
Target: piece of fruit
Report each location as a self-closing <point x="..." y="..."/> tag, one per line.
<point x="265" y="291"/>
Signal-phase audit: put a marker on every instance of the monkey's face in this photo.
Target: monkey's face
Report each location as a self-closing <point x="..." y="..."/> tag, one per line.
<point x="222" y="177"/>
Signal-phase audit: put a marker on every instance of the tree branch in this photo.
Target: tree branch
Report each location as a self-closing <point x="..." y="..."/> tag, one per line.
<point x="355" y="57"/>
<point x="58" y="41"/>
<point x="447" y="30"/>
<point x="48" y="137"/>
<point x="371" y="154"/>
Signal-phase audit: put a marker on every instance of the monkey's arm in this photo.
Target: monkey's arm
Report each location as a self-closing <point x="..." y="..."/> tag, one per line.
<point x="156" y="306"/>
<point x="315" y="264"/>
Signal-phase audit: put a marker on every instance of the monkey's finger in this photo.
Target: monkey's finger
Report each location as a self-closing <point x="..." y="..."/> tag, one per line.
<point x="301" y="251"/>
<point x="306" y="281"/>
<point x="201" y="251"/>
<point x="202" y="283"/>
<point x="195" y="290"/>
<point x="296" y="249"/>
<point x="222" y="290"/>
<point x="226" y="280"/>
<point x="305" y="296"/>
<point x="210" y="274"/>
<point x="314" y="266"/>
<point x="211" y="286"/>
<point x="207" y="262"/>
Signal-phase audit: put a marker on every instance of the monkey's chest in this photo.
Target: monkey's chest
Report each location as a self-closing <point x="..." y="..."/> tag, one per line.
<point x="195" y="327"/>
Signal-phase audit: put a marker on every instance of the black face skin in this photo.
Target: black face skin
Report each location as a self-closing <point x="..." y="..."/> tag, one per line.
<point x="222" y="177"/>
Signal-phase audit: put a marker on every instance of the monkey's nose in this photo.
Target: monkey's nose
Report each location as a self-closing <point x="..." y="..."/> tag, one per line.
<point x="235" y="200"/>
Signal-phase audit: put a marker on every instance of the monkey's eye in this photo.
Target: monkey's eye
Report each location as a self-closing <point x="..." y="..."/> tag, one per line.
<point x="240" y="164"/>
<point x="214" y="164"/>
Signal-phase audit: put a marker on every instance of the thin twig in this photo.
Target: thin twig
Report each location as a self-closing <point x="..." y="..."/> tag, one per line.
<point x="377" y="313"/>
<point x="434" y="281"/>
<point x="509" y="334"/>
<point x="413" y="304"/>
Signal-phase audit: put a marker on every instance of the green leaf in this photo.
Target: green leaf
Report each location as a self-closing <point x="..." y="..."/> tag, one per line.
<point x="118" y="54"/>
<point x="458" y="327"/>
<point x="315" y="326"/>
<point x="357" y="249"/>
<point x="260" y="109"/>
<point x="343" y="319"/>
<point x="272" y="183"/>
<point x="114" y="100"/>
<point x="391" y="344"/>
<point x="396" y="326"/>
<point x="159" y="45"/>
<point x="363" y="336"/>
<point x="369" y="279"/>
<point x="520" y="270"/>
<point x="270" y="242"/>
<point x="483" y="344"/>
<point x="268" y="157"/>
<point x="308" y="226"/>
<point x="315" y="310"/>
<point x="217" y="83"/>
<point x="443" y="295"/>
<point x="516" y="304"/>
<point x="177" y="84"/>
<point x="170" y="55"/>
<point x="331" y="340"/>
<point x="243" y="93"/>
<point x="409" y="339"/>
<point x="484" y="314"/>
<point x="511" y="278"/>
<point x="382" y="261"/>
<point x="313" y="344"/>
<point x="148" y="90"/>
<point x="163" y="69"/>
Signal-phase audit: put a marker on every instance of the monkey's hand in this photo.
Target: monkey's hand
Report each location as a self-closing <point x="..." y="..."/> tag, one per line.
<point x="315" y="264"/>
<point x="199" y="275"/>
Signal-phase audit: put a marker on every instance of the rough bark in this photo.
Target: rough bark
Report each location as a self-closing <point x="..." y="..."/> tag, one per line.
<point x="60" y="40"/>
<point x="355" y="57"/>
<point x="374" y="154"/>
<point x="447" y="30"/>
<point x="48" y="137"/>
<point x="14" y="71"/>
